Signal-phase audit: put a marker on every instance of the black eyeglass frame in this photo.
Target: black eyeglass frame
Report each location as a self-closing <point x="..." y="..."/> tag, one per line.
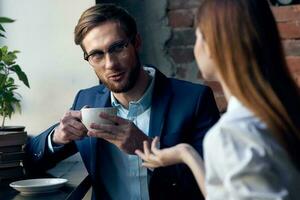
<point x="111" y="48"/>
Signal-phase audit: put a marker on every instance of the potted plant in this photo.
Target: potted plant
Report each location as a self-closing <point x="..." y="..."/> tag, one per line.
<point x="9" y="70"/>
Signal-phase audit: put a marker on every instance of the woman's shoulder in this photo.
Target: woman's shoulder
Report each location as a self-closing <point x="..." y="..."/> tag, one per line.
<point x="240" y="132"/>
<point x="235" y="126"/>
<point x="240" y="135"/>
<point x="239" y="124"/>
<point x="241" y="144"/>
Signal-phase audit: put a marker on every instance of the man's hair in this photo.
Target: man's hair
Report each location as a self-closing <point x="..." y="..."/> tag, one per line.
<point x="102" y="13"/>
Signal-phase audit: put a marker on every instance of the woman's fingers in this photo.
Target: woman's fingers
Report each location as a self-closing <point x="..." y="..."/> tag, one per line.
<point x="154" y="146"/>
<point x="148" y="156"/>
<point x="149" y="165"/>
<point x="146" y="149"/>
<point x="140" y="154"/>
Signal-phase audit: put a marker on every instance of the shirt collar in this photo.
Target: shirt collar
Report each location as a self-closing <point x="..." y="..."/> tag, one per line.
<point x="236" y="109"/>
<point x="233" y="103"/>
<point x="145" y="101"/>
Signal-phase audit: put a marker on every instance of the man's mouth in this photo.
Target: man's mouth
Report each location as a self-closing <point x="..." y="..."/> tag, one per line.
<point x="116" y="76"/>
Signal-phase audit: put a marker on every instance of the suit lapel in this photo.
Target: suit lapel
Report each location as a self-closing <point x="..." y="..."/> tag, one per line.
<point x="160" y="104"/>
<point x="102" y="99"/>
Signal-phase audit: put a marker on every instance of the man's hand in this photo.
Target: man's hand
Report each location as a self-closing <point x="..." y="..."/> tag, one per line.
<point x="70" y="128"/>
<point x="123" y="133"/>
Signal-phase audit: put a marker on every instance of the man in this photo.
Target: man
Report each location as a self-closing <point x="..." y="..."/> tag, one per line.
<point x="148" y="104"/>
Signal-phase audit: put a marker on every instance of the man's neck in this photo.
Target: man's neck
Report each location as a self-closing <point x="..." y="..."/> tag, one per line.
<point x="136" y="92"/>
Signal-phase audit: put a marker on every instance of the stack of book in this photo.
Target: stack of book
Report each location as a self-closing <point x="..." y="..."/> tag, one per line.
<point x="12" y="154"/>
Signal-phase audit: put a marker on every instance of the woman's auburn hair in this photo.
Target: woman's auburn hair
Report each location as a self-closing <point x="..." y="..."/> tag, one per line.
<point x="244" y="42"/>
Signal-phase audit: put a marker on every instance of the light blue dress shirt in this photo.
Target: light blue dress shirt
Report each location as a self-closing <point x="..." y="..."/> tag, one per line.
<point x="122" y="174"/>
<point x="134" y="175"/>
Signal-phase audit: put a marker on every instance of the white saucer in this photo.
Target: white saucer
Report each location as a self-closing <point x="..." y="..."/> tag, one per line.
<point x="40" y="185"/>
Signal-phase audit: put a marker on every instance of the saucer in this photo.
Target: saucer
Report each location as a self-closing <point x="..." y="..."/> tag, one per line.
<point x="36" y="186"/>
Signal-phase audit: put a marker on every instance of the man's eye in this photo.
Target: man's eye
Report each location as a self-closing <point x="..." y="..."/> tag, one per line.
<point x="116" y="48"/>
<point x="97" y="56"/>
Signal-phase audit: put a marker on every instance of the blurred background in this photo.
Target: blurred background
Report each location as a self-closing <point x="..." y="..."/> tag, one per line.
<point x="43" y="32"/>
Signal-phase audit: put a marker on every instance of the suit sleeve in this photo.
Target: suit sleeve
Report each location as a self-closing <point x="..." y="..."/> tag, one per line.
<point x="38" y="156"/>
<point x="205" y="116"/>
<point x="200" y="113"/>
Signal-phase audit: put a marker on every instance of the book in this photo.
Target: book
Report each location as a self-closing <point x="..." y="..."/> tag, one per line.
<point x="8" y="149"/>
<point x="12" y="138"/>
<point x="12" y="156"/>
<point x="10" y="164"/>
<point x="12" y="172"/>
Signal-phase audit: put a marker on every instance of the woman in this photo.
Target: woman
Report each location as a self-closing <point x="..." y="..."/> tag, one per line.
<point x="253" y="151"/>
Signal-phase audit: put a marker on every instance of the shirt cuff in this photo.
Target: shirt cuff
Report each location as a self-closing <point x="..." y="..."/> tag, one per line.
<point x="52" y="147"/>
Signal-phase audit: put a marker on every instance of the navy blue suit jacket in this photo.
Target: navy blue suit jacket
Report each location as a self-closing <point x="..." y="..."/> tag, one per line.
<point x="180" y="112"/>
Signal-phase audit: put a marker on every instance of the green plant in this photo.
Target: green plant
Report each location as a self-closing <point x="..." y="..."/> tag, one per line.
<point x="9" y="99"/>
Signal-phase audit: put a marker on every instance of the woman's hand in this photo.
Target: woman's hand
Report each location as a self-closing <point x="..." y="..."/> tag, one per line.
<point x="181" y="153"/>
<point x="154" y="157"/>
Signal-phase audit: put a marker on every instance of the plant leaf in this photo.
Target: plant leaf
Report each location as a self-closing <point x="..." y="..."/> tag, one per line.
<point x="4" y="49"/>
<point x="12" y="88"/>
<point x="21" y="75"/>
<point x="9" y="58"/>
<point x="17" y="106"/>
<point x="1" y="28"/>
<point x="10" y="81"/>
<point x="1" y="35"/>
<point x="6" y="20"/>
<point x="10" y="103"/>
<point x="2" y="80"/>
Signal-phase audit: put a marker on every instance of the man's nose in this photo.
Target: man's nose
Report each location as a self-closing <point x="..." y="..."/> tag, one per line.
<point x="110" y="60"/>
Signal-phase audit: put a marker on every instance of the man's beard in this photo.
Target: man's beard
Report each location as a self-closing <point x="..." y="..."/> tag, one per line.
<point x="129" y="83"/>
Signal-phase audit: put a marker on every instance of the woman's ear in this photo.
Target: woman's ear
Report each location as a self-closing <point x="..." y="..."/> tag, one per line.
<point x="206" y="49"/>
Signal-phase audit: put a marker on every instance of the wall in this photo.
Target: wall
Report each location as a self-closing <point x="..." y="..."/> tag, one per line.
<point x="181" y="15"/>
<point x="153" y="26"/>
<point x="180" y="46"/>
<point x="288" y="20"/>
<point x="43" y="32"/>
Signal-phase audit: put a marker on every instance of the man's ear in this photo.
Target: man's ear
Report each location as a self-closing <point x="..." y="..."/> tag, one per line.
<point x="137" y="42"/>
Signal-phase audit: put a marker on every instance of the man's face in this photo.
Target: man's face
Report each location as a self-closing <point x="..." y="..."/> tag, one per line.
<point x="119" y="69"/>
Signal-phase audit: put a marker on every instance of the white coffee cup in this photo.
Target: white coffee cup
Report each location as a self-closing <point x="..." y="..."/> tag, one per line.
<point x="91" y="115"/>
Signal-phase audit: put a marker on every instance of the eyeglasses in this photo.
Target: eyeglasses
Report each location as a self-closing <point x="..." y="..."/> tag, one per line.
<point x="117" y="49"/>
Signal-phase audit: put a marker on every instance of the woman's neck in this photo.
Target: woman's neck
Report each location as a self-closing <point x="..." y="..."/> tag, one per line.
<point x="226" y="90"/>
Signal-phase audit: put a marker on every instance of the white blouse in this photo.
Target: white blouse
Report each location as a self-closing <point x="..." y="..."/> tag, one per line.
<point x="243" y="161"/>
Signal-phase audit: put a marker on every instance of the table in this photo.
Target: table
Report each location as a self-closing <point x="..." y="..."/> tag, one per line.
<point x="71" y="169"/>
